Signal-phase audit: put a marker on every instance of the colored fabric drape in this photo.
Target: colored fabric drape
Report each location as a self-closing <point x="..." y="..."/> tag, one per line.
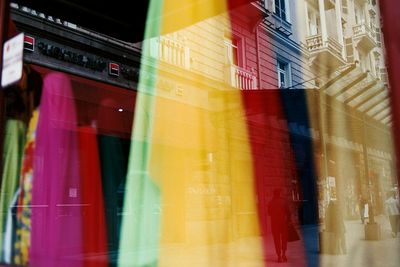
<point x="274" y="164"/>
<point x="113" y="162"/>
<point x="113" y="151"/>
<point x="93" y="217"/>
<point x="140" y="237"/>
<point x="11" y="230"/>
<point x="190" y="193"/>
<point x="390" y="13"/>
<point x="23" y="232"/>
<point x="56" y="223"/>
<point x="14" y="141"/>
<point x="302" y="175"/>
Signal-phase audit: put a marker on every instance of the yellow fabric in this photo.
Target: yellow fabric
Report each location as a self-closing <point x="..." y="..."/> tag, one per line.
<point x="201" y="159"/>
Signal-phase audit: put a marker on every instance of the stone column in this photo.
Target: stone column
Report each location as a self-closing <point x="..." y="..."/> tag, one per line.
<point x="338" y="10"/>
<point x="308" y="30"/>
<point x="324" y="32"/>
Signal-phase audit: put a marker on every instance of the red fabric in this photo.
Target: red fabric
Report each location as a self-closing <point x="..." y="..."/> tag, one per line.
<point x="273" y="159"/>
<point x="237" y="3"/>
<point x="12" y="30"/>
<point x="390" y="11"/>
<point x="273" y="162"/>
<point x="94" y="224"/>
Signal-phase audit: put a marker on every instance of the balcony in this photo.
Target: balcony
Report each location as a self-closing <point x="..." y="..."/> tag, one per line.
<point x="240" y="78"/>
<point x="328" y="54"/>
<point x="364" y="37"/>
<point x="170" y="51"/>
<point x="329" y="4"/>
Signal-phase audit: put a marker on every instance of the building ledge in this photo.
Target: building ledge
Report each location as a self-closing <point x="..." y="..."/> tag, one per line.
<point x="326" y="54"/>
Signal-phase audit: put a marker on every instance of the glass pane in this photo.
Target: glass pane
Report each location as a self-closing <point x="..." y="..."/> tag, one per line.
<point x="183" y="148"/>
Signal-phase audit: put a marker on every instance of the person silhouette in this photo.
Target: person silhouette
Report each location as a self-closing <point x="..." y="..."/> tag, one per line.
<point x="280" y="214"/>
<point x="393" y="211"/>
<point x="362" y="203"/>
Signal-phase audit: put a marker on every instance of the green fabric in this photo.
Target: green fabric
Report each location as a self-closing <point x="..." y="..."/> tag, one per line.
<point x="14" y="142"/>
<point x="141" y="219"/>
<point x="113" y="161"/>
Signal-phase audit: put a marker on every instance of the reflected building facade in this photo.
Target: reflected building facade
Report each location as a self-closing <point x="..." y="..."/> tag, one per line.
<point x="330" y="50"/>
<point x="274" y="94"/>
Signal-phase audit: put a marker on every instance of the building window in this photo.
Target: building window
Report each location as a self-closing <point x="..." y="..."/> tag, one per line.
<point x="359" y="14"/>
<point x="281" y="9"/>
<point x="284" y="80"/>
<point x="314" y="23"/>
<point x="233" y="51"/>
<point x="378" y="36"/>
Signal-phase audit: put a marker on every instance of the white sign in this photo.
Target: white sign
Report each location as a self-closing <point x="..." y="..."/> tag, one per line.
<point x="12" y="60"/>
<point x="331" y="181"/>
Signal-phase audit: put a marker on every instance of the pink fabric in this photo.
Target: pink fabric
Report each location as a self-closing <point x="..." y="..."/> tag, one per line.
<point x="56" y="234"/>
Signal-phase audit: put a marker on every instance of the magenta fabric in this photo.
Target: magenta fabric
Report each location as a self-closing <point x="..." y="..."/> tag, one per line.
<point x="56" y="234"/>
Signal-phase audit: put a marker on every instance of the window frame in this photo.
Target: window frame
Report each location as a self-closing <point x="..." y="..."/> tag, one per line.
<point x="286" y="71"/>
<point x="230" y="45"/>
<point x="286" y="10"/>
<point x="314" y="19"/>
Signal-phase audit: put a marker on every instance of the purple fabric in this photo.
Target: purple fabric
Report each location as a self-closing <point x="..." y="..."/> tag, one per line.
<point x="56" y="233"/>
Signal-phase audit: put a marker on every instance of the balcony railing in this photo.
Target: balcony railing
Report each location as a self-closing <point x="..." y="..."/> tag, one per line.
<point x="240" y="78"/>
<point x="364" y="36"/>
<point x="170" y="51"/>
<point x="363" y="29"/>
<point x="315" y="44"/>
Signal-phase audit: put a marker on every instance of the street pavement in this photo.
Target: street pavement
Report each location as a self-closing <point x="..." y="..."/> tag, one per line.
<point x="360" y="252"/>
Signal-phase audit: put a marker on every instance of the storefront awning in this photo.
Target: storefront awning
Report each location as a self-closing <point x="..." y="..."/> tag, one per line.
<point x="362" y="91"/>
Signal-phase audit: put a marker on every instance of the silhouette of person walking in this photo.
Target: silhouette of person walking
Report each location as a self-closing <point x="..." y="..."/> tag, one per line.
<point x="280" y="214"/>
<point x="362" y="203"/>
<point x="392" y="206"/>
